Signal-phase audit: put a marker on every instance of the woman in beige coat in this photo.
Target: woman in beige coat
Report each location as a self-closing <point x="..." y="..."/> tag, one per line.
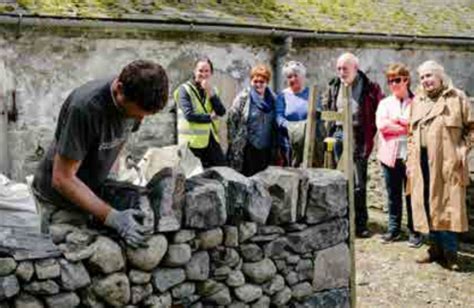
<point x="442" y="132"/>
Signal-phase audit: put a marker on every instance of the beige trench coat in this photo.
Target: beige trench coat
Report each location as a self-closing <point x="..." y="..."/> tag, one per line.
<point x="450" y="132"/>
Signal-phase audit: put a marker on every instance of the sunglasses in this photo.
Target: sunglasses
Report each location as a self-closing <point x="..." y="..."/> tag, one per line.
<point x="395" y="80"/>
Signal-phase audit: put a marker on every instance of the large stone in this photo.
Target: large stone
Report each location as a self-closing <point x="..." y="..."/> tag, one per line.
<point x="184" y="290"/>
<point x="275" y="285"/>
<point x="63" y="300"/>
<point x="246" y="198"/>
<point x="183" y="236"/>
<point x="222" y="256"/>
<point x="251" y="252"/>
<point x="77" y="253"/>
<point x="231" y="235"/>
<point x="7" y="266"/>
<point x="139" y="277"/>
<point x="59" y="232"/>
<point x="246" y="231"/>
<point x="162" y="301"/>
<point x="332" y="268"/>
<point x="73" y="275"/>
<point x="248" y="293"/>
<point x="282" y="297"/>
<point x="113" y="289"/>
<point x="80" y="237"/>
<point x="283" y="186"/>
<point x="177" y="255"/>
<point x="165" y="278"/>
<point x="25" y="300"/>
<point x="25" y="270"/>
<point x="291" y="278"/>
<point x="301" y="291"/>
<point x="211" y="238"/>
<point x="214" y="293"/>
<point x="319" y="237"/>
<point x="198" y="267"/>
<point x="47" y="268"/>
<point x="47" y="287"/>
<point x="141" y="292"/>
<point x="304" y="268"/>
<point x="235" y="279"/>
<point x="327" y="195"/>
<point x="167" y="198"/>
<point x="148" y="258"/>
<point x="260" y="272"/>
<point x="277" y="249"/>
<point x="221" y="273"/>
<point x="263" y="302"/>
<point x="107" y="257"/>
<point x="205" y="204"/>
<point x="9" y="287"/>
<point x="89" y="298"/>
<point x="332" y="298"/>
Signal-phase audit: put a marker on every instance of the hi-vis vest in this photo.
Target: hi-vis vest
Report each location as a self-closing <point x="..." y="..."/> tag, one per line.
<point x="196" y="135"/>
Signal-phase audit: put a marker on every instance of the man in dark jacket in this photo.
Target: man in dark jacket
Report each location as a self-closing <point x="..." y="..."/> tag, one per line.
<point x="365" y="98"/>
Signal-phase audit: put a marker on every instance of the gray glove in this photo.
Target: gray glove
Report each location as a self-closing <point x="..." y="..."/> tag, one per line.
<point x="126" y="225"/>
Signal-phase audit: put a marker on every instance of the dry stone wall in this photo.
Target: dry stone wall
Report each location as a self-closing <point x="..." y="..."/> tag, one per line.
<point x="278" y="239"/>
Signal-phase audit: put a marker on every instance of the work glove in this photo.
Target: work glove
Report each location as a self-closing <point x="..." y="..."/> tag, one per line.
<point x="126" y="225"/>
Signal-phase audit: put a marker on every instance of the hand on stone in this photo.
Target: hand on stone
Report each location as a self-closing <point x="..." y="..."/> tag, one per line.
<point x="126" y="225"/>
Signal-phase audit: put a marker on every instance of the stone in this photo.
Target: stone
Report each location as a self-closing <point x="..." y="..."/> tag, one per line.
<point x="327" y="195"/>
<point x="260" y="272"/>
<point x="177" y="255"/>
<point x="281" y="266"/>
<point x="295" y="227"/>
<point x="25" y="270"/>
<point x="7" y="266"/>
<point x="246" y="198"/>
<point x="264" y="238"/>
<point x="113" y="289"/>
<point x="281" y="298"/>
<point x="75" y="254"/>
<point x="183" y="236"/>
<point x="58" y="232"/>
<point x="47" y="268"/>
<point x="139" y="277"/>
<point x="268" y="230"/>
<point x="275" y="285"/>
<point x="73" y="275"/>
<point x="293" y="259"/>
<point x="221" y="273"/>
<point x="263" y="302"/>
<point x="80" y="237"/>
<point x="231" y="236"/>
<point x="220" y="298"/>
<point x="140" y="292"/>
<point x="63" y="300"/>
<point x="283" y="186"/>
<point x="211" y="238"/>
<point x="251" y="252"/>
<point x="209" y="287"/>
<point x="236" y="304"/>
<point x="47" y="287"/>
<point x="167" y="198"/>
<point x="198" y="267"/>
<point x="331" y="298"/>
<point x="277" y="249"/>
<point x="147" y="259"/>
<point x="184" y="290"/>
<point x="165" y="278"/>
<point x="319" y="236"/>
<point x="89" y="298"/>
<point x="235" y="279"/>
<point x="304" y="268"/>
<point x="25" y="300"/>
<point x="301" y="291"/>
<point x="248" y="293"/>
<point x="292" y="278"/>
<point x="205" y="204"/>
<point x="222" y="256"/>
<point x="9" y="287"/>
<point x="332" y="268"/>
<point x="107" y="257"/>
<point x="246" y="231"/>
<point x="162" y="301"/>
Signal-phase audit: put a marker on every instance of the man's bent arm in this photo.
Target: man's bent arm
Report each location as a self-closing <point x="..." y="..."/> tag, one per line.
<point x="70" y="186"/>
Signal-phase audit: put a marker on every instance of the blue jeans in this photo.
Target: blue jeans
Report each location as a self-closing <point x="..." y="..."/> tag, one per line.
<point x="447" y="240"/>
<point x="395" y="181"/>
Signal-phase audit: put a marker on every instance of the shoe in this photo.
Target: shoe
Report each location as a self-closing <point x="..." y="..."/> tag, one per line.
<point x="432" y="254"/>
<point x="415" y="240"/>
<point x="363" y="233"/>
<point x="451" y="261"/>
<point x="390" y="237"/>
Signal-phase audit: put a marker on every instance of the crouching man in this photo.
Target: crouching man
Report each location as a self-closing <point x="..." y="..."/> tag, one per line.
<point x="93" y="126"/>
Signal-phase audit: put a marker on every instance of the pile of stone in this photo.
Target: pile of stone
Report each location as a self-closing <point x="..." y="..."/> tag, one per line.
<point x="276" y="239"/>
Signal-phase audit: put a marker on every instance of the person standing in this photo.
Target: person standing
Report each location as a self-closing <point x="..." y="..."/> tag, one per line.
<point x="366" y="95"/>
<point x="199" y="108"/>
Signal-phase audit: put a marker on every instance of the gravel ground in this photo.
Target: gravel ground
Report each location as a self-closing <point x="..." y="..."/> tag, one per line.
<point x="387" y="275"/>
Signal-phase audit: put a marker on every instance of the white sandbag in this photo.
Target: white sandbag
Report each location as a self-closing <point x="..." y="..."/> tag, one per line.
<point x="15" y="196"/>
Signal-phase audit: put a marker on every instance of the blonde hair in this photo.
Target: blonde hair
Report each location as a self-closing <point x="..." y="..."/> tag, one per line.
<point x="261" y="70"/>
<point x="398" y="69"/>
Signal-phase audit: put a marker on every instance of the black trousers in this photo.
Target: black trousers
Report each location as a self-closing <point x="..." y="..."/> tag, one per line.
<point x="255" y="160"/>
<point x="212" y="155"/>
<point x="360" y="194"/>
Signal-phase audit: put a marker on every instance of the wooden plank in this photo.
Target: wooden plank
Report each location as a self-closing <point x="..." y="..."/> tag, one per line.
<point x="310" y="133"/>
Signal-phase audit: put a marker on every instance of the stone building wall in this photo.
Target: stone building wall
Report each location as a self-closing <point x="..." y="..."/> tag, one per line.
<point x="279" y="238"/>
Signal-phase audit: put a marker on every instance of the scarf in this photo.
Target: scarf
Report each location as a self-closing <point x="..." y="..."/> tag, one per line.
<point x="265" y="103"/>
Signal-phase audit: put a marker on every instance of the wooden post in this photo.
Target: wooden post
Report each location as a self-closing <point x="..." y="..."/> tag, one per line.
<point x="347" y="161"/>
<point x="310" y="133"/>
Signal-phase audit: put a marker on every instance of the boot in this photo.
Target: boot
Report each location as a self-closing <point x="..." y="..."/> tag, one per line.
<point x="432" y="254"/>
<point x="451" y="260"/>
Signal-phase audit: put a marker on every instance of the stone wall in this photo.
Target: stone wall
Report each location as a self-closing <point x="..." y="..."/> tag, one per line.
<point x="278" y="238"/>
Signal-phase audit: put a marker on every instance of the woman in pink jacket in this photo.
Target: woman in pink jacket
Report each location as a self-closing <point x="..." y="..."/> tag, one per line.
<point x="392" y="122"/>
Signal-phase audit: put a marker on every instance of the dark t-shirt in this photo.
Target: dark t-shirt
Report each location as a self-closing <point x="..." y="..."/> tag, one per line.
<point x="92" y="129"/>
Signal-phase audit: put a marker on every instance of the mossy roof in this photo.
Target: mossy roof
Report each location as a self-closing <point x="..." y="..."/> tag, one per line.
<point x="408" y="17"/>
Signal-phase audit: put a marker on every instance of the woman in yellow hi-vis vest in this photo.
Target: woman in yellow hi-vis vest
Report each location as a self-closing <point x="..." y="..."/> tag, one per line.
<point x="199" y="107"/>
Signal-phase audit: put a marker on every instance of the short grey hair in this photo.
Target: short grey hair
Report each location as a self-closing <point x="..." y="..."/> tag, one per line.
<point x="349" y="57"/>
<point x="437" y="69"/>
<point x="294" y="67"/>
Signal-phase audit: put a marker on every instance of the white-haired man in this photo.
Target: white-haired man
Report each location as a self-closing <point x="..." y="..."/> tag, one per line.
<point x="365" y="98"/>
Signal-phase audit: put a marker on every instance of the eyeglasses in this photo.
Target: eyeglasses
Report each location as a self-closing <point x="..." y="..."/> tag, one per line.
<point x="395" y="80"/>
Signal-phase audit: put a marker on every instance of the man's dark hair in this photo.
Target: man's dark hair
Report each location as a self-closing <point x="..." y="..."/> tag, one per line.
<point x="146" y="84"/>
<point x="205" y="59"/>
